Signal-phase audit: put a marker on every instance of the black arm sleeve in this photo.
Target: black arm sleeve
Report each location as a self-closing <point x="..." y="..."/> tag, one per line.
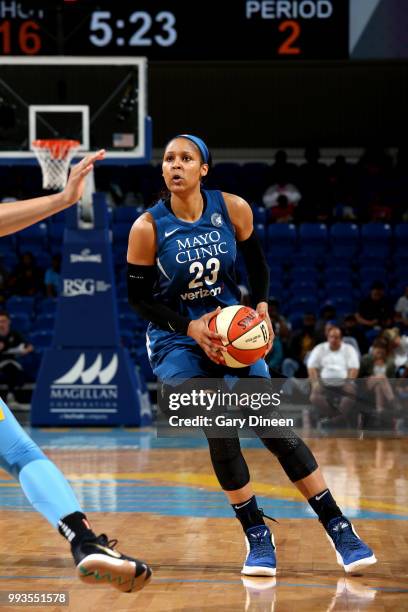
<point x="140" y="282"/>
<point x="257" y="268"/>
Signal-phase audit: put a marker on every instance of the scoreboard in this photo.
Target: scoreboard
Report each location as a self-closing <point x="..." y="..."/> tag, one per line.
<point x="177" y="30"/>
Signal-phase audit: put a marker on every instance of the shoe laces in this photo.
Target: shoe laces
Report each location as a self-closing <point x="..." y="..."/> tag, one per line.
<point x="103" y="540"/>
<point x="266" y="516"/>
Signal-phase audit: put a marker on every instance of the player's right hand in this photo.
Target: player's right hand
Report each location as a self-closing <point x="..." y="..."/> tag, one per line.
<point x="209" y="341"/>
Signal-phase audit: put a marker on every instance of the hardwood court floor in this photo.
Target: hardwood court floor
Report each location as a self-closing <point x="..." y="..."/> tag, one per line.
<point x="163" y="504"/>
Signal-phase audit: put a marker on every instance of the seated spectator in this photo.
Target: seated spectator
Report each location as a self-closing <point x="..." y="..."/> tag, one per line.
<point x="401" y="309"/>
<point x="27" y="279"/>
<point x="53" y="277"/>
<point x="275" y="192"/>
<point x="332" y="366"/>
<point x="12" y="346"/>
<point x="375" y="310"/>
<point x="351" y="329"/>
<point x="300" y="345"/>
<point x="377" y="368"/>
<point x="283" y="212"/>
<point x="398" y="346"/>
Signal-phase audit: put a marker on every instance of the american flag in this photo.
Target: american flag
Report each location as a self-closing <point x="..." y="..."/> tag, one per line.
<point x="124" y="140"/>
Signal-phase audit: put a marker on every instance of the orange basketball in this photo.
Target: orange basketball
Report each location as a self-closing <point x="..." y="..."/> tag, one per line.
<point x="247" y="335"/>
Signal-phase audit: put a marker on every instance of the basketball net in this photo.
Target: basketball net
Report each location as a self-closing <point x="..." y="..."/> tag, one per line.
<point x="54" y="157"/>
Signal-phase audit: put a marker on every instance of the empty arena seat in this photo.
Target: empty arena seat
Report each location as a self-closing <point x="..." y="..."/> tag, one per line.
<point x="303" y="304"/>
<point x="225" y="176"/>
<point x="344" y="239"/>
<point x="282" y="235"/>
<point x="304" y="273"/>
<point x="376" y="237"/>
<point x="44" y="322"/>
<point x="47" y="306"/>
<point x="342" y="304"/>
<point x="20" y="305"/>
<point x="275" y="289"/>
<point x="259" y="214"/>
<point x="20" y="322"/>
<point x="254" y="178"/>
<point x="260" y="230"/>
<point x="41" y="339"/>
<point x="401" y="235"/>
<point x="296" y="320"/>
<point x="371" y="274"/>
<point x="313" y="237"/>
<point x="10" y="259"/>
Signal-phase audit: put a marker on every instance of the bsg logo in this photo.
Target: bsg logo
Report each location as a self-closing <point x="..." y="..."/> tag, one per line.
<point x="78" y="286"/>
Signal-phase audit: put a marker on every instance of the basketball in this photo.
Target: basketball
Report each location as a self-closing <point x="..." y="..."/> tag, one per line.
<point x="246" y="332"/>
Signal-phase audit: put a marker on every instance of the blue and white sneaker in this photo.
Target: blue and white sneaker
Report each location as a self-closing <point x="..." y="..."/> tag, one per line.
<point x="261" y="558"/>
<point x="351" y="552"/>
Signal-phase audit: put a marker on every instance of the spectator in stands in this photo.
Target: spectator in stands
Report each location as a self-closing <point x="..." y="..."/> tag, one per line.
<point x="401" y="309"/>
<point x="53" y="277"/>
<point x="375" y="311"/>
<point x="300" y="345"/>
<point x="27" y="279"/>
<point x="398" y="346"/>
<point x="12" y="346"/>
<point x="332" y="366"/>
<point x="351" y="329"/>
<point x="283" y="212"/>
<point x="283" y="172"/>
<point x="377" y="367"/>
<point x="272" y="197"/>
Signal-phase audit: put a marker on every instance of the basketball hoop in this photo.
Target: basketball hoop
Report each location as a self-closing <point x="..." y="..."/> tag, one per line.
<point x="54" y="157"/>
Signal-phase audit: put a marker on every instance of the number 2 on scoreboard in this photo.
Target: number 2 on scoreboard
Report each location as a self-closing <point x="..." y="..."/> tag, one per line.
<point x="286" y="47"/>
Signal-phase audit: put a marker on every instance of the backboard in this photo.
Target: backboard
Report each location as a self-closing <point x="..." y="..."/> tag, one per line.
<point x="100" y="101"/>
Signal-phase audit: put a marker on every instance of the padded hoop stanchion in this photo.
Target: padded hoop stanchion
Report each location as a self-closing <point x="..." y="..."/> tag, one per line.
<point x="54" y="157"/>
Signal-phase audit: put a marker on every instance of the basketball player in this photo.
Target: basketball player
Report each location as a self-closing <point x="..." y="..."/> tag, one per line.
<point x="181" y="258"/>
<point x="43" y="484"/>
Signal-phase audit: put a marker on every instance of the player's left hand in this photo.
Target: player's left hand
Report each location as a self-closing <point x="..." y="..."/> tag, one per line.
<point x="76" y="180"/>
<point x="262" y="310"/>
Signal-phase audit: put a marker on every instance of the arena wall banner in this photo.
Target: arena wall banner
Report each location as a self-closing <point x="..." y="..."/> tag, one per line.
<point x="87" y="377"/>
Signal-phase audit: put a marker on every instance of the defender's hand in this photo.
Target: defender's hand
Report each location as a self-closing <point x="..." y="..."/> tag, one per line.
<point x="76" y="180"/>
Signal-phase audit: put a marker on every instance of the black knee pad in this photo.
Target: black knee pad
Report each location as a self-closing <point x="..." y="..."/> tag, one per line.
<point x="229" y="464"/>
<point x="294" y="456"/>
